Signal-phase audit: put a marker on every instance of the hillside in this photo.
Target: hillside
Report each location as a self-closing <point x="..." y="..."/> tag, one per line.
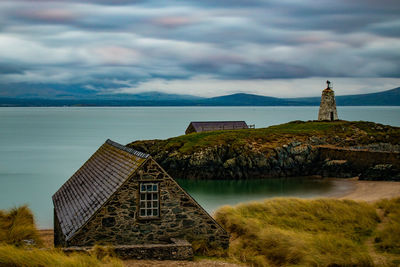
<point x="290" y="149"/>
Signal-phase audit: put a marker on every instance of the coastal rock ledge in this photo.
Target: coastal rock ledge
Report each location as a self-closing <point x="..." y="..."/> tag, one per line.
<point x="330" y="149"/>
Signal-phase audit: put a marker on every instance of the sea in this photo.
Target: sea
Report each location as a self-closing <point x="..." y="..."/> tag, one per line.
<point x="41" y="147"/>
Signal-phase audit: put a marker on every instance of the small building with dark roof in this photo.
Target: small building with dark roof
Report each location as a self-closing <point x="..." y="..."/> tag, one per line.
<point x="207" y="126"/>
<point x="121" y="196"/>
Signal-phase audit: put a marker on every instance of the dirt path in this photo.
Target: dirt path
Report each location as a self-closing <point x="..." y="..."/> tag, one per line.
<point x="379" y="259"/>
<point x="196" y="263"/>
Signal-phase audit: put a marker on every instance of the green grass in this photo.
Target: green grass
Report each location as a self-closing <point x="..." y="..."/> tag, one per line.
<point x="356" y="133"/>
<point x="294" y="232"/>
<point x="17" y="225"/>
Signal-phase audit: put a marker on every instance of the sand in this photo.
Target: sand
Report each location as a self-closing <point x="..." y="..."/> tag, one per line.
<point x="371" y="191"/>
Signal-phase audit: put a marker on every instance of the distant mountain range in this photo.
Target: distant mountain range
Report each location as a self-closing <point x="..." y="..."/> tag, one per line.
<point x="385" y="98"/>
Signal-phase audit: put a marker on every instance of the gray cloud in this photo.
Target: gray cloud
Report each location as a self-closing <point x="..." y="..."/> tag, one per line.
<point x="101" y="43"/>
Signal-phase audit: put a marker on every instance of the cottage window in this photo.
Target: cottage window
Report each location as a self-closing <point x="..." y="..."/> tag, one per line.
<point x="149" y="200"/>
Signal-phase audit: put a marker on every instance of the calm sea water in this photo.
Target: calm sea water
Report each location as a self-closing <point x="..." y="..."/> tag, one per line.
<point x="40" y="148"/>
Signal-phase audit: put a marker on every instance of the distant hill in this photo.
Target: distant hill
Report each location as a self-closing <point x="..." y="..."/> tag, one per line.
<point x="156" y="96"/>
<point x="385" y="98"/>
<point x="245" y="100"/>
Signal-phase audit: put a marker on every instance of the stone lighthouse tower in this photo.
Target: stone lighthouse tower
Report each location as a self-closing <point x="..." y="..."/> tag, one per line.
<point x="327" y="108"/>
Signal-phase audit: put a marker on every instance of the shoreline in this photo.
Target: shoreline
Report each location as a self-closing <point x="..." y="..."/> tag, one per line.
<point x="369" y="191"/>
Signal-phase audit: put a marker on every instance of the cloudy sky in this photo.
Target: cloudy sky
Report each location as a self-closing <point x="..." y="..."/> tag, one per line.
<point x="283" y="48"/>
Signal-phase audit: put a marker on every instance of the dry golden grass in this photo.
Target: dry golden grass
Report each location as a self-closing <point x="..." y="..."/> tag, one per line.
<point x="17" y="225"/>
<point x="294" y="232"/>
<point x="20" y="257"/>
<point x="17" y="230"/>
<point x="277" y="232"/>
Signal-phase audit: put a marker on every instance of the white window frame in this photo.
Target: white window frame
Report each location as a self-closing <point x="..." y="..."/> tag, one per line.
<point x="149" y="200"/>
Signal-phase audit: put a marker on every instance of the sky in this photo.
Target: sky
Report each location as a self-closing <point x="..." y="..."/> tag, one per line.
<point x="281" y="48"/>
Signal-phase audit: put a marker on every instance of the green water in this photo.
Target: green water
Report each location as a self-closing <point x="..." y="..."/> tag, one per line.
<point x="213" y="194"/>
<point x="40" y="148"/>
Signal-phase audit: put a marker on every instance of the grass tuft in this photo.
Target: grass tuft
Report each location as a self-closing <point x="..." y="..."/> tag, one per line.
<point x="17" y="225"/>
<point x="210" y="249"/>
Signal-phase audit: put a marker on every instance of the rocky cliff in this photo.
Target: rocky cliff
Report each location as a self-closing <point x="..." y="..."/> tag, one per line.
<point x="291" y="149"/>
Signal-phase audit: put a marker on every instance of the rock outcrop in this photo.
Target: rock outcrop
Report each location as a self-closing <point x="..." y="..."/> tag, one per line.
<point x="381" y="172"/>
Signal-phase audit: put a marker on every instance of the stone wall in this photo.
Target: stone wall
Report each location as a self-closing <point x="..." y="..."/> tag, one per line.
<point x="369" y="165"/>
<point x="118" y="223"/>
<point x="327" y="106"/>
<point x="177" y="250"/>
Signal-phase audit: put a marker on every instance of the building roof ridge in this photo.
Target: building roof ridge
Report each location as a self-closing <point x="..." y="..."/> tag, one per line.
<point x="128" y="149"/>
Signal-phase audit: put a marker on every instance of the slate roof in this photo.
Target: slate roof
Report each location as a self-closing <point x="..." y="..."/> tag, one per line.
<point x="205" y="126"/>
<point x="93" y="184"/>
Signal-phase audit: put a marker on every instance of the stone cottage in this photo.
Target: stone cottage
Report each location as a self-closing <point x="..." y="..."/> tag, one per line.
<point x="327" y="108"/>
<point x="206" y="126"/>
<point x="121" y="196"/>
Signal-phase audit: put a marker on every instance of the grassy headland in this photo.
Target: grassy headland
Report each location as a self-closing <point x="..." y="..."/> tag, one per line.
<point x="290" y="149"/>
<point x="344" y="133"/>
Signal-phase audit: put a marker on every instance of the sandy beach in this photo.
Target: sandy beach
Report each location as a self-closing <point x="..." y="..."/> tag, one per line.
<point x="370" y="191"/>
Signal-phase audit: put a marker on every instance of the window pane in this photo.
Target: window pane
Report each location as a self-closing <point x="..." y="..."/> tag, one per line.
<point x="149" y="197"/>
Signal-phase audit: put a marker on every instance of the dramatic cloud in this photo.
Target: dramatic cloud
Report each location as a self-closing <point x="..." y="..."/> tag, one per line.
<point x="276" y="47"/>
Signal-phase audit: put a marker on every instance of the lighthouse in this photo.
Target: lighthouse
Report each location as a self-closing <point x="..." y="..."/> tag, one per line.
<point x="327" y="108"/>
